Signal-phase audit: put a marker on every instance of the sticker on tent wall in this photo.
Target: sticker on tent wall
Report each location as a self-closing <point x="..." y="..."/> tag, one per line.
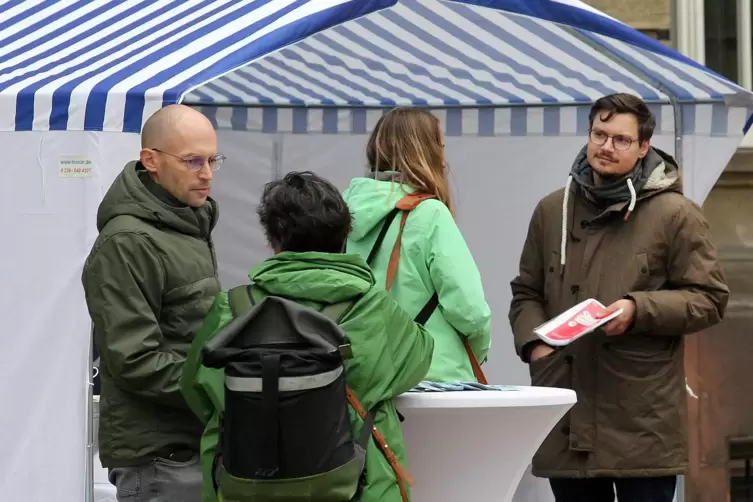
<point x="75" y="166"/>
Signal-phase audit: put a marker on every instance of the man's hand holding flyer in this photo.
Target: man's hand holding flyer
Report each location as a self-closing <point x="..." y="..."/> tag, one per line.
<point x="574" y="323"/>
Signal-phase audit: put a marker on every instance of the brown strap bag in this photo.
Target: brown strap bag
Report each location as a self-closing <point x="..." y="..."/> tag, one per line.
<point x="405" y="205"/>
<point x="401" y="474"/>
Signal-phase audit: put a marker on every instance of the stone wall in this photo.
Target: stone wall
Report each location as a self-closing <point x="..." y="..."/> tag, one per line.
<point x="640" y="14"/>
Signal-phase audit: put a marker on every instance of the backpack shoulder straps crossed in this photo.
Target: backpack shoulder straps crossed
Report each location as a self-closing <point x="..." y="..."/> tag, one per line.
<point x="242" y="298"/>
<point x="405" y="205"/>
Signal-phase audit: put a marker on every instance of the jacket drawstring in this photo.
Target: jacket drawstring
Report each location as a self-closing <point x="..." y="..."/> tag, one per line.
<point x="563" y="243"/>
<point x="632" y="198"/>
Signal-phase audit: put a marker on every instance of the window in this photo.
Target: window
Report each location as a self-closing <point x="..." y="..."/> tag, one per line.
<point x="721" y="37"/>
<point x="739" y="468"/>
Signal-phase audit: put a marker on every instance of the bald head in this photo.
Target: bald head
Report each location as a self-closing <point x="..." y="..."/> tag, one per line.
<point x="166" y="126"/>
<point x="171" y="142"/>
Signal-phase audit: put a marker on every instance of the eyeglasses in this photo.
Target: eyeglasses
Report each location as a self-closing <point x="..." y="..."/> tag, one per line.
<point x="619" y="142"/>
<point x="196" y="162"/>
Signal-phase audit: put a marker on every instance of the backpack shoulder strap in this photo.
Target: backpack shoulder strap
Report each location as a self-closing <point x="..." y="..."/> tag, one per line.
<point x="380" y="238"/>
<point x="406" y="204"/>
<point x="426" y="312"/>
<point x="241" y="298"/>
<point x="336" y="311"/>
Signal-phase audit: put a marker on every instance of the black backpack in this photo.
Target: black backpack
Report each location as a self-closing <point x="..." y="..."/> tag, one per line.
<point x="285" y="432"/>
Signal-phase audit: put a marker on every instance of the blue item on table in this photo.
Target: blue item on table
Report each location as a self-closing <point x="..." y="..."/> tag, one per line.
<point x="427" y="386"/>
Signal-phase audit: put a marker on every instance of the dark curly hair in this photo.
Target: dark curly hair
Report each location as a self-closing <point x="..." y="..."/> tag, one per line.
<point x="304" y="212"/>
<point x="607" y="106"/>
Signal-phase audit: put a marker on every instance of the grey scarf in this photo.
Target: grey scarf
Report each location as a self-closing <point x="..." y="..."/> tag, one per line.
<point x="618" y="190"/>
<point x="383" y="175"/>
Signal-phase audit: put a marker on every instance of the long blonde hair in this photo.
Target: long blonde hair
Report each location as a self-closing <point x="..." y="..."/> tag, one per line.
<point x="409" y="142"/>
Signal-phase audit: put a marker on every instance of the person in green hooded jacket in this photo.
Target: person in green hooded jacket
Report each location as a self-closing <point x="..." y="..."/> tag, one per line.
<point x="306" y="222"/>
<point x="405" y="154"/>
<point x="149" y="281"/>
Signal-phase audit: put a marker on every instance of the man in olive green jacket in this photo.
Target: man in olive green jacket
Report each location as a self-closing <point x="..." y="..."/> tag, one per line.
<point x="307" y="222"/>
<point x="149" y="281"/>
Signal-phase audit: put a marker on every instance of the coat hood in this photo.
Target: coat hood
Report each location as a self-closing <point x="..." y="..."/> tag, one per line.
<point x="370" y="200"/>
<point x="134" y="193"/>
<point x="314" y="277"/>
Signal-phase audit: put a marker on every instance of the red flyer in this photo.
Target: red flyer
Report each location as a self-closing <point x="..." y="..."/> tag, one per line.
<point x="574" y="323"/>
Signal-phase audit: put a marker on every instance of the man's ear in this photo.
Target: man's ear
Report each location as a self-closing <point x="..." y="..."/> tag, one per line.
<point x="148" y="158"/>
<point x="644" y="148"/>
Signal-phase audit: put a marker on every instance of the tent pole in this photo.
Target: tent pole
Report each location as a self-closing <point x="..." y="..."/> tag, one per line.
<point x="277" y="151"/>
<point x="89" y="492"/>
<point x="677" y="109"/>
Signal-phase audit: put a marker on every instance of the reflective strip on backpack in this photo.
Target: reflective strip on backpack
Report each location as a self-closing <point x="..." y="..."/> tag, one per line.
<point x="286" y="384"/>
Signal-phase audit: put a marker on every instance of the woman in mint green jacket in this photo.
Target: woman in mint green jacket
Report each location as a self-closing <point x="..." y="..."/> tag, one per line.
<point x="406" y="154"/>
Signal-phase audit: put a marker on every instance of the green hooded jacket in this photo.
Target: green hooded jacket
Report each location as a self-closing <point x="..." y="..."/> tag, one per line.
<point x="149" y="281"/>
<point x="433" y="258"/>
<point x="391" y="354"/>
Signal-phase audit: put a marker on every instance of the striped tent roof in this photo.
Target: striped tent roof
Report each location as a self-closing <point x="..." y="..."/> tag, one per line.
<point x="88" y="65"/>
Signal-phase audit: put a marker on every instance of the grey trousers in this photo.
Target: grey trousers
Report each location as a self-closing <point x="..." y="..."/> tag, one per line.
<point x="160" y="480"/>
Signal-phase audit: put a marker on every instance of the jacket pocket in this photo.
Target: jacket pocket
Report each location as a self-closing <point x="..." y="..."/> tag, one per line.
<point x="551" y="371"/>
<point x="640" y="391"/>
<point x="166" y="462"/>
<point x="644" y="275"/>
<point x="638" y="349"/>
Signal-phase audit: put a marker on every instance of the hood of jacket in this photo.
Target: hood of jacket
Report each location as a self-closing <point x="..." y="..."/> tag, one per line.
<point x="314" y="277"/>
<point x="134" y="193"/>
<point x="664" y="177"/>
<point x="370" y="200"/>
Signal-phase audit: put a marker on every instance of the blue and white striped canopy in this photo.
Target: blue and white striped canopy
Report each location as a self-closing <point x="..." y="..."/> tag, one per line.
<point x="330" y="65"/>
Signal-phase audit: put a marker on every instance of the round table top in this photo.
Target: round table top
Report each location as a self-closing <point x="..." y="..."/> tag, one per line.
<point x="515" y="397"/>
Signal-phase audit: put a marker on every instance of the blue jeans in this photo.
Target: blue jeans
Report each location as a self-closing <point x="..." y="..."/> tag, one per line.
<point x="160" y="480"/>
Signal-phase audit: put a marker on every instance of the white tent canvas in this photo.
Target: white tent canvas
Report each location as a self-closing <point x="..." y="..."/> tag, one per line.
<point x="295" y="85"/>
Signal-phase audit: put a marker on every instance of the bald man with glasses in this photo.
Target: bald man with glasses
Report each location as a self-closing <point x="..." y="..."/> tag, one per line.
<point x="149" y="280"/>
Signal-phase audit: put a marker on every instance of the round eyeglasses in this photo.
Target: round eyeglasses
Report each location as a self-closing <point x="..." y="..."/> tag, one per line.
<point x="619" y="142"/>
<point x="196" y="162"/>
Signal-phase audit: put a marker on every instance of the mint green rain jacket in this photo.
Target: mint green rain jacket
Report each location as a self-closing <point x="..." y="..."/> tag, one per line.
<point x="433" y="257"/>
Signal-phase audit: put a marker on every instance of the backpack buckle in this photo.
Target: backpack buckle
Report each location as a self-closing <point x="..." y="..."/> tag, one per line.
<point x="346" y="352"/>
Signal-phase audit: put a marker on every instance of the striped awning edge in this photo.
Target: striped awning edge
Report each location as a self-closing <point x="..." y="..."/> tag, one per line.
<point x="702" y="119"/>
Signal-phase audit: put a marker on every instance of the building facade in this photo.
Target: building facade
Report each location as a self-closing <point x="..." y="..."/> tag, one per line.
<point x="719" y="364"/>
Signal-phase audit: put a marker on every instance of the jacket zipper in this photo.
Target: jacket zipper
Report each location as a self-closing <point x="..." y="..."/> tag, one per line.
<point x="212" y="254"/>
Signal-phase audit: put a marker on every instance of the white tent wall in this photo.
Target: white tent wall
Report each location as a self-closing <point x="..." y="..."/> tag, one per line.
<point x="48" y="229"/>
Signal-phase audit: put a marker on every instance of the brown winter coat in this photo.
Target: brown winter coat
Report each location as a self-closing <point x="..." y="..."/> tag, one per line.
<point x="630" y="418"/>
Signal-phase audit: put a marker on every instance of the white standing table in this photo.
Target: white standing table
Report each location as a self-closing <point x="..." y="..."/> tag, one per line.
<point x="475" y="446"/>
<point x="462" y="446"/>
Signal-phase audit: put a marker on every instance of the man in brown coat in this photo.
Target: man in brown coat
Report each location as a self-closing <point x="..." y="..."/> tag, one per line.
<point x="620" y="232"/>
